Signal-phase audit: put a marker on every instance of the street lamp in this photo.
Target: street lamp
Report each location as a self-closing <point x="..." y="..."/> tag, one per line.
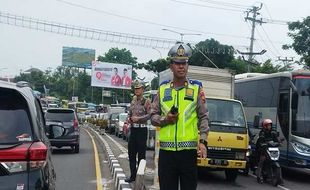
<point x="158" y="52"/>
<point x="181" y="34"/>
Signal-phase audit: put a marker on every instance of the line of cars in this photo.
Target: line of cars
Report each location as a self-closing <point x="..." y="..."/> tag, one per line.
<point x="27" y="137"/>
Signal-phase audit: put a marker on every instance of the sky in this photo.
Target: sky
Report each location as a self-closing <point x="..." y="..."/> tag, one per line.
<point x="23" y="48"/>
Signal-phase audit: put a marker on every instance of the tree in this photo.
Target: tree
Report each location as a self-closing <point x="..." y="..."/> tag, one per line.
<point x="36" y="79"/>
<point x="300" y="33"/>
<point x="220" y="54"/>
<point x="155" y="66"/>
<point x="122" y="56"/>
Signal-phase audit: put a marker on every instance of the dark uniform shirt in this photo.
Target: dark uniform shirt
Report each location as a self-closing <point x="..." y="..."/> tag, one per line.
<point x="140" y="108"/>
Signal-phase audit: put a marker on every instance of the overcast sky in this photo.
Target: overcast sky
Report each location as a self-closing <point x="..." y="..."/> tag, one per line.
<point x="223" y="20"/>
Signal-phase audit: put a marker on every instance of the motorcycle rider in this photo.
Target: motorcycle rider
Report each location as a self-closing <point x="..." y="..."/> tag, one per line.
<point x="265" y="135"/>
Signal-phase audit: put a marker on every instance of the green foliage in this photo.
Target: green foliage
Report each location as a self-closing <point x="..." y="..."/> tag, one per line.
<point x="300" y="33"/>
<point x="155" y="66"/>
<point x="36" y="79"/>
<point x="122" y="56"/>
<point x="220" y="54"/>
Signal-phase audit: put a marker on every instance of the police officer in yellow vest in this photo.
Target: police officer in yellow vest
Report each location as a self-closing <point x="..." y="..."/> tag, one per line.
<point x="179" y="109"/>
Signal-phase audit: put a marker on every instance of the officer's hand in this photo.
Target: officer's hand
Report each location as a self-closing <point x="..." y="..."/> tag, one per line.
<point x="202" y="150"/>
<point x="134" y="119"/>
<point x="172" y="118"/>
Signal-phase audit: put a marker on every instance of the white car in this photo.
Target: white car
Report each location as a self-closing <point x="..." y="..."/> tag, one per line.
<point x="122" y="117"/>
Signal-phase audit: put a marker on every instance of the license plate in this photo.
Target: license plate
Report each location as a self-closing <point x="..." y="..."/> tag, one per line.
<point x="218" y="162"/>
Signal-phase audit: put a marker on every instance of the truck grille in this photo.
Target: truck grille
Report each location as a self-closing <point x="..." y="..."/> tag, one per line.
<point x="222" y="154"/>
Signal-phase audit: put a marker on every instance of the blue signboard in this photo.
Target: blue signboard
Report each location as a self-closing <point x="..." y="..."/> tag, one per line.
<point x="78" y="57"/>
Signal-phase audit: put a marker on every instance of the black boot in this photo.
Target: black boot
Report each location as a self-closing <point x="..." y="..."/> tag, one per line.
<point x="130" y="179"/>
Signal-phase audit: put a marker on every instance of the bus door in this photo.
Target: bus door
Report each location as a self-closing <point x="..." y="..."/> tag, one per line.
<point x="284" y="122"/>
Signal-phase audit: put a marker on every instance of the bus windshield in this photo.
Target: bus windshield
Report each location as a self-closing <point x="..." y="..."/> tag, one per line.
<point x="225" y="113"/>
<point x="301" y="115"/>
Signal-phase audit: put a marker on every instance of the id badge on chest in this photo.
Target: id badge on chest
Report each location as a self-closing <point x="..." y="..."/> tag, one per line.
<point x="189" y="94"/>
<point x="167" y="94"/>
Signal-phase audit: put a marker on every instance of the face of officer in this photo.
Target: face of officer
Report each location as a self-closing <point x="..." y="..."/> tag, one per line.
<point x="179" y="69"/>
<point x="138" y="91"/>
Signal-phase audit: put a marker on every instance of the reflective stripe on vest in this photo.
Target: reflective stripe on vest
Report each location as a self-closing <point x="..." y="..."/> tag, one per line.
<point x="184" y="134"/>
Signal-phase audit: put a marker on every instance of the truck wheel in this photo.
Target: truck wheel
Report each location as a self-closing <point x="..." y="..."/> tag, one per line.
<point x="231" y="174"/>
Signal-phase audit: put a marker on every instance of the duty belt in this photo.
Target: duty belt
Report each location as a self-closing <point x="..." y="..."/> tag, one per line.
<point x="136" y="125"/>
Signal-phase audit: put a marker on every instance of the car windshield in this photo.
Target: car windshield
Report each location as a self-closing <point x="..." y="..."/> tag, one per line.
<point x="225" y="113"/>
<point x="60" y="115"/>
<point x="14" y="118"/>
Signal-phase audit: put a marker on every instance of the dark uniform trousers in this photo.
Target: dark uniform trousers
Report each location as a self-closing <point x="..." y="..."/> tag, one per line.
<point x="136" y="145"/>
<point x="177" y="164"/>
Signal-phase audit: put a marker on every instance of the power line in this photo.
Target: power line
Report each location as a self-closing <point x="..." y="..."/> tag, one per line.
<point x="270" y="41"/>
<point x="222" y="3"/>
<point x="200" y="5"/>
<point x="145" y="21"/>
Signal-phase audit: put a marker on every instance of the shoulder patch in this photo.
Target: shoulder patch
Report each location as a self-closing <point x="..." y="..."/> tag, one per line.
<point x="164" y="82"/>
<point x="196" y="82"/>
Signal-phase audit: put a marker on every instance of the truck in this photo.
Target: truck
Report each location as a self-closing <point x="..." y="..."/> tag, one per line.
<point x="228" y="135"/>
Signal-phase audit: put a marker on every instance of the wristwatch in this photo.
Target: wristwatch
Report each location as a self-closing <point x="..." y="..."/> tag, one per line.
<point x="203" y="142"/>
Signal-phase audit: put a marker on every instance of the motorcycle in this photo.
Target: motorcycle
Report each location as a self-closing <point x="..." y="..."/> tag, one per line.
<point x="271" y="170"/>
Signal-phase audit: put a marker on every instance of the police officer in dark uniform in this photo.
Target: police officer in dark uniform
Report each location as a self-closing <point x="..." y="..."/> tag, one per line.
<point x="139" y="113"/>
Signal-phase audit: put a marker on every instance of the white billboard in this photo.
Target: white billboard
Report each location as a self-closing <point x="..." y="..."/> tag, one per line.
<point x="111" y="75"/>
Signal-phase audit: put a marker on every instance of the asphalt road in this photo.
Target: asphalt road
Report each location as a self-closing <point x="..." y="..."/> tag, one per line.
<point x="294" y="179"/>
<point x="77" y="171"/>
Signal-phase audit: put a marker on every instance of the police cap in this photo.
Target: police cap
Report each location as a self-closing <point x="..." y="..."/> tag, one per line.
<point x="180" y="53"/>
<point x="137" y="84"/>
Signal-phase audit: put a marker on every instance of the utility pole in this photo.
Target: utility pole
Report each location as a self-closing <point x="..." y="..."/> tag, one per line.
<point x="254" y="20"/>
<point x="285" y="60"/>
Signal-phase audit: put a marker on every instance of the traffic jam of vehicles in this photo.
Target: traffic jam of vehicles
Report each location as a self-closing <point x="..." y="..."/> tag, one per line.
<point x="236" y="117"/>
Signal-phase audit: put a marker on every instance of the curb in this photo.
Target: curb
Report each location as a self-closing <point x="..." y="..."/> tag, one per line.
<point x="116" y="171"/>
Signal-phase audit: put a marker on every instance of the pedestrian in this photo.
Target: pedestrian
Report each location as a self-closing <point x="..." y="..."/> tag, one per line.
<point x="179" y="109"/>
<point x="139" y="114"/>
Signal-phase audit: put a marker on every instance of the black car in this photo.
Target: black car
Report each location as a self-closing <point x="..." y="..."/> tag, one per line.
<point x="69" y="133"/>
<point x="25" y="156"/>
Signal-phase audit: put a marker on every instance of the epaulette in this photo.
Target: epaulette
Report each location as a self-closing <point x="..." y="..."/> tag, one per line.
<point x="164" y="82"/>
<point x="196" y="82"/>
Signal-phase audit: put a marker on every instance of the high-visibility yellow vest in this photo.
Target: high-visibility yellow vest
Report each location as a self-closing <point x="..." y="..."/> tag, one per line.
<point x="182" y="135"/>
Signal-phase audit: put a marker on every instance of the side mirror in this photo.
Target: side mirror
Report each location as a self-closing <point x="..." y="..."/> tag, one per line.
<point x="55" y="131"/>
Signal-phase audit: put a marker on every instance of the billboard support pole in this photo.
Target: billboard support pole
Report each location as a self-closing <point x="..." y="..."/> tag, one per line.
<point x="102" y="95"/>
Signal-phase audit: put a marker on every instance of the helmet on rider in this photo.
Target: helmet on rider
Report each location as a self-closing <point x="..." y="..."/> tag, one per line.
<point x="266" y="123"/>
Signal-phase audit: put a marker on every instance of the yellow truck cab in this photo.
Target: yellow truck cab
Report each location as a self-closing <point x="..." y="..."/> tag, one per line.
<point x="227" y="139"/>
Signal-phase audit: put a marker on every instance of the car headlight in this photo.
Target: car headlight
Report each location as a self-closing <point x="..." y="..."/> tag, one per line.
<point x="301" y="148"/>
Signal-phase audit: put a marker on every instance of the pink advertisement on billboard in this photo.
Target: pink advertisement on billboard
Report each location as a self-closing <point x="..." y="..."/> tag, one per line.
<point x="111" y="75"/>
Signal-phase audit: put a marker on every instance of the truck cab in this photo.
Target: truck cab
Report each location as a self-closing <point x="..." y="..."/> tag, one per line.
<point x="227" y="139"/>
